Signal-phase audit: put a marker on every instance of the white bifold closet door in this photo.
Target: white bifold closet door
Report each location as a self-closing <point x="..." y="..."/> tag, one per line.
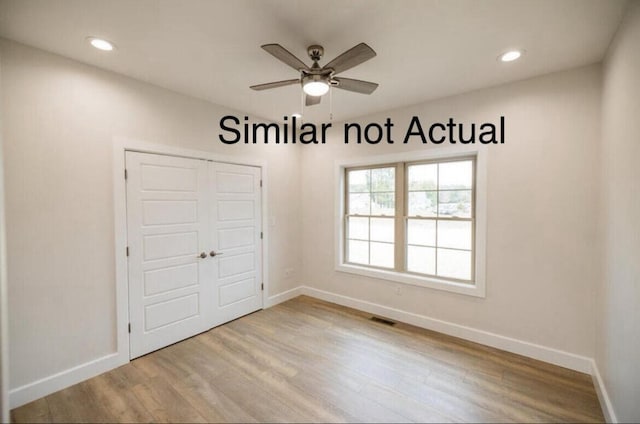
<point x="193" y="229"/>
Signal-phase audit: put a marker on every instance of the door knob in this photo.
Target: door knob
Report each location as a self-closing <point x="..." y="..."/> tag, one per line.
<point x="213" y="253"/>
<point x="202" y="255"/>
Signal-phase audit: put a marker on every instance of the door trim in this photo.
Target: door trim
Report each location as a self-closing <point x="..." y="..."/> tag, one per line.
<point x="120" y="146"/>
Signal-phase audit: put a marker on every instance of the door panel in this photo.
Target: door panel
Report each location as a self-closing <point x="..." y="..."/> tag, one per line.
<point x="229" y="182"/>
<point x="169" y="178"/>
<point x="236" y="237"/>
<point x="234" y="210"/>
<point x="165" y="212"/>
<point x="235" y="292"/>
<point x="237" y="264"/>
<point x="171" y="278"/>
<point x="171" y="311"/>
<point x="168" y="226"/>
<point x="166" y="246"/>
<point x="236" y="226"/>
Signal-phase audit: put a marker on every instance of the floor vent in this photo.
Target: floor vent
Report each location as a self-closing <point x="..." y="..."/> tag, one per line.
<point x="382" y="321"/>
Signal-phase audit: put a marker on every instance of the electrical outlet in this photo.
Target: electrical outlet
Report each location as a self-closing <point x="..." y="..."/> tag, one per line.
<point x="399" y="290"/>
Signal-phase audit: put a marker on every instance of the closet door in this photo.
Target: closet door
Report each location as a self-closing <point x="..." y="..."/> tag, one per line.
<point x="171" y="287"/>
<point x="236" y="236"/>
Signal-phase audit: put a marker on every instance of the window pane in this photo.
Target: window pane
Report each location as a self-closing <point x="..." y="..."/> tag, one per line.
<point x="455" y="203"/>
<point x="383" y="204"/>
<point x="358" y="252"/>
<point x="455" y="234"/>
<point x="382" y="254"/>
<point x="358" y="228"/>
<point x="382" y="229"/>
<point x="359" y="181"/>
<point x="423" y="177"/>
<point x="421" y="259"/>
<point x="359" y="204"/>
<point x="421" y="231"/>
<point x="383" y="179"/>
<point x="454" y="264"/>
<point x="455" y="175"/>
<point x="422" y="203"/>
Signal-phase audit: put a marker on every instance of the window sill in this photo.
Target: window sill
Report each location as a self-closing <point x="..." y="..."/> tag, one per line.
<point x="470" y="289"/>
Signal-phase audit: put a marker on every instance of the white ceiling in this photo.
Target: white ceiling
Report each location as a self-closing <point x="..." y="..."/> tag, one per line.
<point x="426" y="48"/>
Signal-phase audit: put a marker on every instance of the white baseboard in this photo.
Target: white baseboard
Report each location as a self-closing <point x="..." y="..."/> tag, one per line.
<point x="531" y="350"/>
<point x="283" y="297"/>
<point x="603" y="395"/>
<point x="32" y="391"/>
<point x="43" y="387"/>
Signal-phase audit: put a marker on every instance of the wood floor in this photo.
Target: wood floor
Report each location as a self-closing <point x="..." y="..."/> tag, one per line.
<point x="308" y="360"/>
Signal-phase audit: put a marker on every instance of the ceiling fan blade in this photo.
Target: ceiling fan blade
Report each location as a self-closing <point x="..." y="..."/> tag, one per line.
<point x="358" y="86"/>
<point x="352" y="57"/>
<point x="285" y="56"/>
<point x="312" y="100"/>
<point x="275" y="84"/>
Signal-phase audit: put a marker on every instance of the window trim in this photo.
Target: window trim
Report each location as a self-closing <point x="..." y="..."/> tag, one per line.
<point x="475" y="288"/>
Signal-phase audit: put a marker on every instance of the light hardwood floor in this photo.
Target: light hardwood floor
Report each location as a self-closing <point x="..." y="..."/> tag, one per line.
<point x="308" y="360"/>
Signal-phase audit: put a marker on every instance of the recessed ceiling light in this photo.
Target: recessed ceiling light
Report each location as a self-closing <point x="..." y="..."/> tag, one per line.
<point x="101" y="44"/>
<point x="511" y="55"/>
<point x="296" y="115"/>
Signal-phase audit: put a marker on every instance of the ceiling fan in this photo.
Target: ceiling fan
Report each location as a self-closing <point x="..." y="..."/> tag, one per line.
<point x="316" y="80"/>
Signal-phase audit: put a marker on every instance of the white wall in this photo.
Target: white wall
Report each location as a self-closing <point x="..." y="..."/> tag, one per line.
<point x="59" y="119"/>
<point x="542" y="261"/>
<point x="618" y="335"/>
<point x="4" y="315"/>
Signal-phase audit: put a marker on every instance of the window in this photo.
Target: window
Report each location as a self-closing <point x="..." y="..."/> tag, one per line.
<point x="415" y="221"/>
<point x="439" y="222"/>
<point x="370" y="216"/>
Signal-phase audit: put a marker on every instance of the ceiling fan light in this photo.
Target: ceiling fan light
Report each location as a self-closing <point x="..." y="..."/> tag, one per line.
<point x="315" y="88"/>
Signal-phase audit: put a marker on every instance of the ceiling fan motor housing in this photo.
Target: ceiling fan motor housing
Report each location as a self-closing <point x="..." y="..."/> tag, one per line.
<point x="315" y="52"/>
<point x="313" y="78"/>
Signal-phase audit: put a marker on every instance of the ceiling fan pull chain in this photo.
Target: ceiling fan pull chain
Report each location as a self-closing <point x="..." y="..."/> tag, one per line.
<point x="301" y="106"/>
<point x="330" y="104"/>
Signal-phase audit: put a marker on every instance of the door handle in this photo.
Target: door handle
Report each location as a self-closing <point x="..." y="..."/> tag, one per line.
<point x="203" y="255"/>
<point x="213" y="253"/>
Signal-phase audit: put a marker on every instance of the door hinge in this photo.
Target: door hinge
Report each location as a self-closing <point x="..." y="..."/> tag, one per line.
<point x="261" y="286"/>
<point x="127" y="250"/>
<point x="261" y="235"/>
<point x="260" y="183"/>
<point x="125" y="174"/>
<point x="129" y="327"/>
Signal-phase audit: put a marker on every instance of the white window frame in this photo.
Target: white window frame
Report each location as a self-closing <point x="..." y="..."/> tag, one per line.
<point x="477" y="287"/>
